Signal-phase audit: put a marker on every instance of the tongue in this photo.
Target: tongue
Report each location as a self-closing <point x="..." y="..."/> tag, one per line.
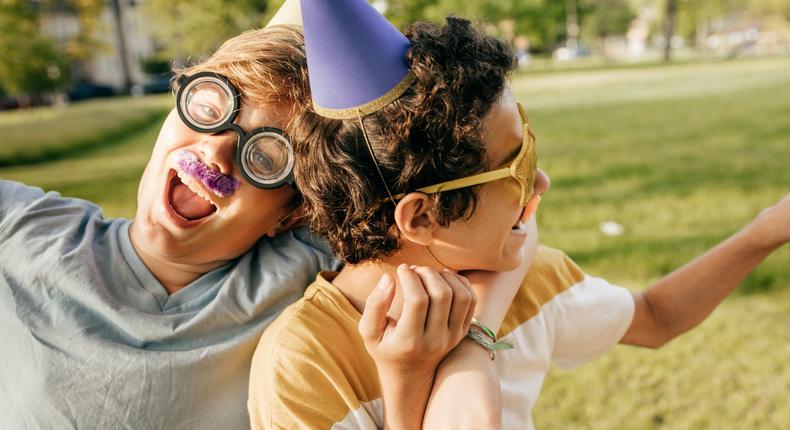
<point x="188" y="204"/>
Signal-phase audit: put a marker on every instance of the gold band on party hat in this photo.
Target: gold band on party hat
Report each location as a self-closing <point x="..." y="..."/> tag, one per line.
<point x="370" y="107"/>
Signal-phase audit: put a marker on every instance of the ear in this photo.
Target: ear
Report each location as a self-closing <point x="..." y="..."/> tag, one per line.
<point x="414" y="218"/>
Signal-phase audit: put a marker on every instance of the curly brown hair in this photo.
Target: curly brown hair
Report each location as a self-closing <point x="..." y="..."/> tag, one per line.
<point x="432" y="133"/>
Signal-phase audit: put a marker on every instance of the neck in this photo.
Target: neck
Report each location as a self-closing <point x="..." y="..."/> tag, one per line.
<point x="358" y="281"/>
<point x="172" y="275"/>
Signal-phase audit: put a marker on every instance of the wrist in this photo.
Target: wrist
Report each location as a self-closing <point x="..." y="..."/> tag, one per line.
<point x="400" y="378"/>
<point x="764" y="232"/>
<point x="405" y="393"/>
<point x="466" y="354"/>
<point x="491" y="310"/>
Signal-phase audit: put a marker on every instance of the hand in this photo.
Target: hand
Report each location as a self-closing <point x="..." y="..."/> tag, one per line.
<point x="437" y="312"/>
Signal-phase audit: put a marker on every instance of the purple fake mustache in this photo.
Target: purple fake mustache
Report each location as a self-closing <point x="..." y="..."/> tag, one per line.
<point x="218" y="183"/>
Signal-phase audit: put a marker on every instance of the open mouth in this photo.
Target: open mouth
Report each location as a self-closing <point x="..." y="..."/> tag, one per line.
<point x="521" y="223"/>
<point x="526" y="213"/>
<point x="186" y="203"/>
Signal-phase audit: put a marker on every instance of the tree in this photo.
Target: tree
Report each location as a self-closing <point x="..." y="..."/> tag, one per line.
<point x="31" y="62"/>
<point x="541" y="21"/>
<point x="608" y="17"/>
<point x="84" y="45"/>
<point x="670" y="16"/>
<point x="197" y="27"/>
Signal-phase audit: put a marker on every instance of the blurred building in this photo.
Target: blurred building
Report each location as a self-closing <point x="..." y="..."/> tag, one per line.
<point x="124" y="41"/>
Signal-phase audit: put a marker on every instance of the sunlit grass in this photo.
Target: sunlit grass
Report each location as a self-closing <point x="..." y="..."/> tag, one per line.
<point x="680" y="169"/>
<point x="729" y="373"/>
<point x="48" y="133"/>
<point x="108" y="175"/>
<point x="682" y="157"/>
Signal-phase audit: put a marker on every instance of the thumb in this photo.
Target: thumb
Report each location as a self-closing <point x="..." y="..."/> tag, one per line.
<point x="374" y="317"/>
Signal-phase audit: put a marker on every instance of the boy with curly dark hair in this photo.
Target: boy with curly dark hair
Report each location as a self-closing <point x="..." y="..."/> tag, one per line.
<point x="444" y="175"/>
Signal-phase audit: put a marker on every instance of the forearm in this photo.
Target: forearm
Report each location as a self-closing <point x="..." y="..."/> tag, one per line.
<point x="467" y="371"/>
<point x="466" y="392"/>
<point x="404" y="400"/>
<point x="684" y="298"/>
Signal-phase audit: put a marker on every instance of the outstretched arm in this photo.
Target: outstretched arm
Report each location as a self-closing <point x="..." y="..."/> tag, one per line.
<point x="684" y="298"/>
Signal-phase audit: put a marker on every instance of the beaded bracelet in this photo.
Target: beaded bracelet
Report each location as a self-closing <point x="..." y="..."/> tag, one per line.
<point x="485" y="337"/>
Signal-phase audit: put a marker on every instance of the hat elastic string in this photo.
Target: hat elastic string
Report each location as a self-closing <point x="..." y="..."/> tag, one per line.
<point x="384" y="182"/>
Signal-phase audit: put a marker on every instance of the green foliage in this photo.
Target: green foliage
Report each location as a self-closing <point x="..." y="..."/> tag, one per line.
<point x="30" y="62"/>
<point x="87" y="42"/>
<point x="403" y="13"/>
<point x="542" y="21"/>
<point x="609" y="17"/>
<point x="155" y="66"/>
<point x="195" y="28"/>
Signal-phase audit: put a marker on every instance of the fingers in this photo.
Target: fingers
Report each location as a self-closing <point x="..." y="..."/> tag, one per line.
<point x="374" y="318"/>
<point x="470" y="313"/>
<point x="436" y="305"/>
<point x="415" y="303"/>
<point x="440" y="299"/>
<point x="464" y="301"/>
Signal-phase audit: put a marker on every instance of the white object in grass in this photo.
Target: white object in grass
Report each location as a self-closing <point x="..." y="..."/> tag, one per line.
<point x="611" y="228"/>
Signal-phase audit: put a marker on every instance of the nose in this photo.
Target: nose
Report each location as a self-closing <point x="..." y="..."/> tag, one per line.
<point x="218" y="151"/>
<point x="542" y="182"/>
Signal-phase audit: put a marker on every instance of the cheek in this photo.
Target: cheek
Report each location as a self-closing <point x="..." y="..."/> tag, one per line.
<point x="173" y="134"/>
<point x="259" y="209"/>
<point x="498" y="204"/>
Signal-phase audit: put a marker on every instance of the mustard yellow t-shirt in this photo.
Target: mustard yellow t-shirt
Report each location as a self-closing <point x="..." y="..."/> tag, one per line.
<point x="311" y="369"/>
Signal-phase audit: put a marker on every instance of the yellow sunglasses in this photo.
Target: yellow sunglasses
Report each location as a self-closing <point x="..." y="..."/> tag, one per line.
<point x="522" y="169"/>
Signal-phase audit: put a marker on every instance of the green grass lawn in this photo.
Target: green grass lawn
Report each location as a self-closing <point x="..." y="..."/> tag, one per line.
<point x="681" y="156"/>
<point x="45" y="134"/>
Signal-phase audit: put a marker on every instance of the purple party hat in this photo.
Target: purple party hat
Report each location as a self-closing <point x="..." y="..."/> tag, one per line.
<point x="355" y="58"/>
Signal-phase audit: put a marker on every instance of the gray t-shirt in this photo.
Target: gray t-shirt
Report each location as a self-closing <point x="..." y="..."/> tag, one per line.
<point x="90" y="339"/>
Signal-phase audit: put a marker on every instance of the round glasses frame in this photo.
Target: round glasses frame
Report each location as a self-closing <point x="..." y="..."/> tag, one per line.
<point x="228" y="124"/>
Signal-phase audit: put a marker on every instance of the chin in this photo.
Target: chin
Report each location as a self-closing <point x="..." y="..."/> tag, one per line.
<point x="503" y="264"/>
<point x="510" y="261"/>
<point x="507" y="265"/>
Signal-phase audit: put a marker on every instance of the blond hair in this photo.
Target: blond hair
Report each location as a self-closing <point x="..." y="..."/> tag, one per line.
<point x="267" y="66"/>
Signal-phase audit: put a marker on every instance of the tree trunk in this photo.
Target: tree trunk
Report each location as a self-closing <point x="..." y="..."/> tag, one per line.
<point x="122" y="51"/>
<point x="669" y="28"/>
<point x="571" y="26"/>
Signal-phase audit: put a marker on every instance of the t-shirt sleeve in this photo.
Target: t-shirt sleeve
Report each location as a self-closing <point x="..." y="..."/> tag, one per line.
<point x="589" y="318"/>
<point x="294" y="383"/>
<point x="14" y="198"/>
